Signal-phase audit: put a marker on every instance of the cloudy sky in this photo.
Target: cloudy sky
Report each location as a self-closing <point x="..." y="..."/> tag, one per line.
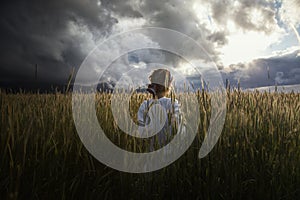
<point x="254" y="41"/>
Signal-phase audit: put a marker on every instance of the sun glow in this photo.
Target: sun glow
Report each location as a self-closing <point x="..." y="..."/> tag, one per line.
<point x="244" y="46"/>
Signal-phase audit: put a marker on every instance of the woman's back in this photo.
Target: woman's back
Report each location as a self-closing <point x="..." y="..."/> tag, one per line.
<point x="157" y="108"/>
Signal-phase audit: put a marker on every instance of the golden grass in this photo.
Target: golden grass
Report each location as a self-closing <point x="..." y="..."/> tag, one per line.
<point x="257" y="156"/>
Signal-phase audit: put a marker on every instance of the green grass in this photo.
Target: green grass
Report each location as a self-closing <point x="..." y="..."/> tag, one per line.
<point x="256" y="157"/>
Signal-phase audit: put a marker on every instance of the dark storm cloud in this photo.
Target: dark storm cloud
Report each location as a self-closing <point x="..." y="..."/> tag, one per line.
<point x="280" y="70"/>
<point x="51" y="34"/>
<point x="241" y="13"/>
<point x="179" y="16"/>
<point x="218" y="37"/>
<point x="220" y="10"/>
<point x="57" y="35"/>
<point x="121" y="8"/>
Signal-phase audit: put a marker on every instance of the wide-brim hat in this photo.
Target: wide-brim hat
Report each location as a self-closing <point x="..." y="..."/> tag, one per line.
<point x="161" y="77"/>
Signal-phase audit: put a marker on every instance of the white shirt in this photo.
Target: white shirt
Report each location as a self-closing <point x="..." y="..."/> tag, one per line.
<point x="171" y="110"/>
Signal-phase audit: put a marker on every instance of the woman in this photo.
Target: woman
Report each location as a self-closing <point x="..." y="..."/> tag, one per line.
<point x="160" y="87"/>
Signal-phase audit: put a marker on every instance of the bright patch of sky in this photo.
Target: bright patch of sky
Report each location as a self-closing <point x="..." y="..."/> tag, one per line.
<point x="247" y="45"/>
<point x="287" y="41"/>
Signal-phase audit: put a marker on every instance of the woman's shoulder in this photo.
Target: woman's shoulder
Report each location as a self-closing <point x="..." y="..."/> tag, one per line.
<point x="168" y="102"/>
<point x="167" y="99"/>
<point x="146" y="103"/>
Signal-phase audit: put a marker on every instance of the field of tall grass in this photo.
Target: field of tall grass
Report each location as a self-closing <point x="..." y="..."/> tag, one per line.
<point x="256" y="157"/>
